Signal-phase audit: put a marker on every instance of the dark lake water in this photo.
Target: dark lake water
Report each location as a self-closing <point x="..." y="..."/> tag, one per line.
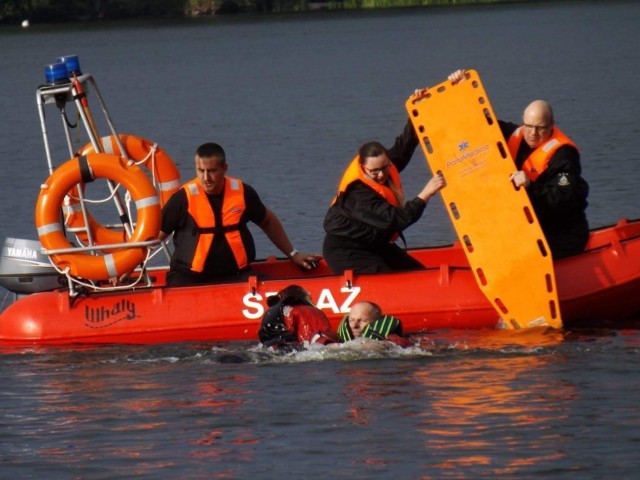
<point x="291" y="98"/>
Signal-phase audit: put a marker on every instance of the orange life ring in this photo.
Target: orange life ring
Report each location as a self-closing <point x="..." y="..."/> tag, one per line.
<point x="87" y="168"/>
<point x="162" y="169"/>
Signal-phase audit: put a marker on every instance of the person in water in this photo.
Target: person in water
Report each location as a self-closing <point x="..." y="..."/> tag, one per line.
<point x="208" y="218"/>
<point x="367" y="321"/>
<point x="547" y="164"/>
<point x="292" y="319"/>
<point x="369" y="211"/>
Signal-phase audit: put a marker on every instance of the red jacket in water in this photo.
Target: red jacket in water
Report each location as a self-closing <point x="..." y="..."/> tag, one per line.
<point x="293" y="320"/>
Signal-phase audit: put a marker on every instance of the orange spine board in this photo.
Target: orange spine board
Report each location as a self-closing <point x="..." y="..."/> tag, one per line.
<point x="495" y="222"/>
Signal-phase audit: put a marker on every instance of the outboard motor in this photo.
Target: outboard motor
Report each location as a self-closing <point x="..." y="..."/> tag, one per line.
<point x="24" y="269"/>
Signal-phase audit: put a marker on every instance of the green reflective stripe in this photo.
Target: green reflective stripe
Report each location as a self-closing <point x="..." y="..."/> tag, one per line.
<point x="390" y="324"/>
<point x="381" y="327"/>
<point x="344" y="333"/>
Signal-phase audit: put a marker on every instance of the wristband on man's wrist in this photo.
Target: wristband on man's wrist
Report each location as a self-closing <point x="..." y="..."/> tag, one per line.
<point x="293" y="253"/>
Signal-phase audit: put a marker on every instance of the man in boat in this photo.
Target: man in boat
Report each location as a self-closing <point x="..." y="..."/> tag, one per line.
<point x="208" y="217"/>
<point x="367" y="321"/>
<point x="369" y="211"/>
<point x="548" y="166"/>
<point x="292" y="320"/>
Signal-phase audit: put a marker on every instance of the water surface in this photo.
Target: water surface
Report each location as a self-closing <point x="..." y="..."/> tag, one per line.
<point x="291" y="98"/>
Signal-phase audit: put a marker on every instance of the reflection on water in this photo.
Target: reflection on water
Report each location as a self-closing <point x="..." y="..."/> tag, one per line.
<point x="105" y="411"/>
<point x="475" y="403"/>
<point x="487" y="406"/>
<point x="458" y="404"/>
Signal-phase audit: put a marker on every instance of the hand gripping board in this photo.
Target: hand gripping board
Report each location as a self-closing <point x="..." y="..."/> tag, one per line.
<point x="495" y="222"/>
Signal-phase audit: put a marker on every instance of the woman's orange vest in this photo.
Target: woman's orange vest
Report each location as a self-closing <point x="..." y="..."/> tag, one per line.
<point x="355" y="172"/>
<point x="233" y="206"/>
<point x="538" y="159"/>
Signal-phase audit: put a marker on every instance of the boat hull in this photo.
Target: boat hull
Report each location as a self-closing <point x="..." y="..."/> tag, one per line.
<point x="598" y="287"/>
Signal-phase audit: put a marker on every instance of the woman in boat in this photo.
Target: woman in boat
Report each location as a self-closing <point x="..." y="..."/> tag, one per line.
<point x="292" y="320"/>
<point x="369" y="211"/>
<point x="547" y="164"/>
<point x="367" y="321"/>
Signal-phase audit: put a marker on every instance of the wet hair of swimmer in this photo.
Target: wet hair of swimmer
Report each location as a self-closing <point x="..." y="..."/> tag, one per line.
<point x="290" y="291"/>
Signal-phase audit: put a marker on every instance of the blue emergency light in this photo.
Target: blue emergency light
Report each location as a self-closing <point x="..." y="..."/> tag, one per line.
<point x="72" y="63"/>
<point x="56" y="73"/>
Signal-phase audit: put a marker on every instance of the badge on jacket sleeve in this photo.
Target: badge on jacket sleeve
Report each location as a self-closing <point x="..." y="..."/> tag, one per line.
<point x="563" y="180"/>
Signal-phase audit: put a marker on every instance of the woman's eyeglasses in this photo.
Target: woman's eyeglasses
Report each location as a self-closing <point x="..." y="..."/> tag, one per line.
<point x="374" y="172"/>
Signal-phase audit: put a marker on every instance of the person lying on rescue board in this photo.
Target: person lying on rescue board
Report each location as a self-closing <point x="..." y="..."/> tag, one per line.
<point x="369" y="211"/>
<point x="293" y="321"/>
<point x="367" y="321"/>
<point x="208" y="218"/>
<point x="547" y="164"/>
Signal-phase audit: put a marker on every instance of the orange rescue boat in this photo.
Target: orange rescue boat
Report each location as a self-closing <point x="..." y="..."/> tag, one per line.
<point x="596" y="288"/>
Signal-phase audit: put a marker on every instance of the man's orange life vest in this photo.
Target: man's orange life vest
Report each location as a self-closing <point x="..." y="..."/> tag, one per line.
<point x="538" y="159"/>
<point x="233" y="206"/>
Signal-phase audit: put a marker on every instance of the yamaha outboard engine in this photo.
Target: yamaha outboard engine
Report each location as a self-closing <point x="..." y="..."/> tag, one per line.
<point x="24" y="269"/>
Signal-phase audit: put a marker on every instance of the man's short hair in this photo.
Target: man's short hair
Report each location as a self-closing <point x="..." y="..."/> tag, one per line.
<point x="211" y="150"/>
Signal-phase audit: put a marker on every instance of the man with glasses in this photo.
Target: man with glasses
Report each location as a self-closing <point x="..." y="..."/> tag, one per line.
<point x="548" y="166"/>
<point x="369" y="211"/>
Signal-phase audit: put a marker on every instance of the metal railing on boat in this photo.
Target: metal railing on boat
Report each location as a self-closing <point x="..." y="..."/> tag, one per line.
<point x="67" y="86"/>
<point x="142" y="279"/>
